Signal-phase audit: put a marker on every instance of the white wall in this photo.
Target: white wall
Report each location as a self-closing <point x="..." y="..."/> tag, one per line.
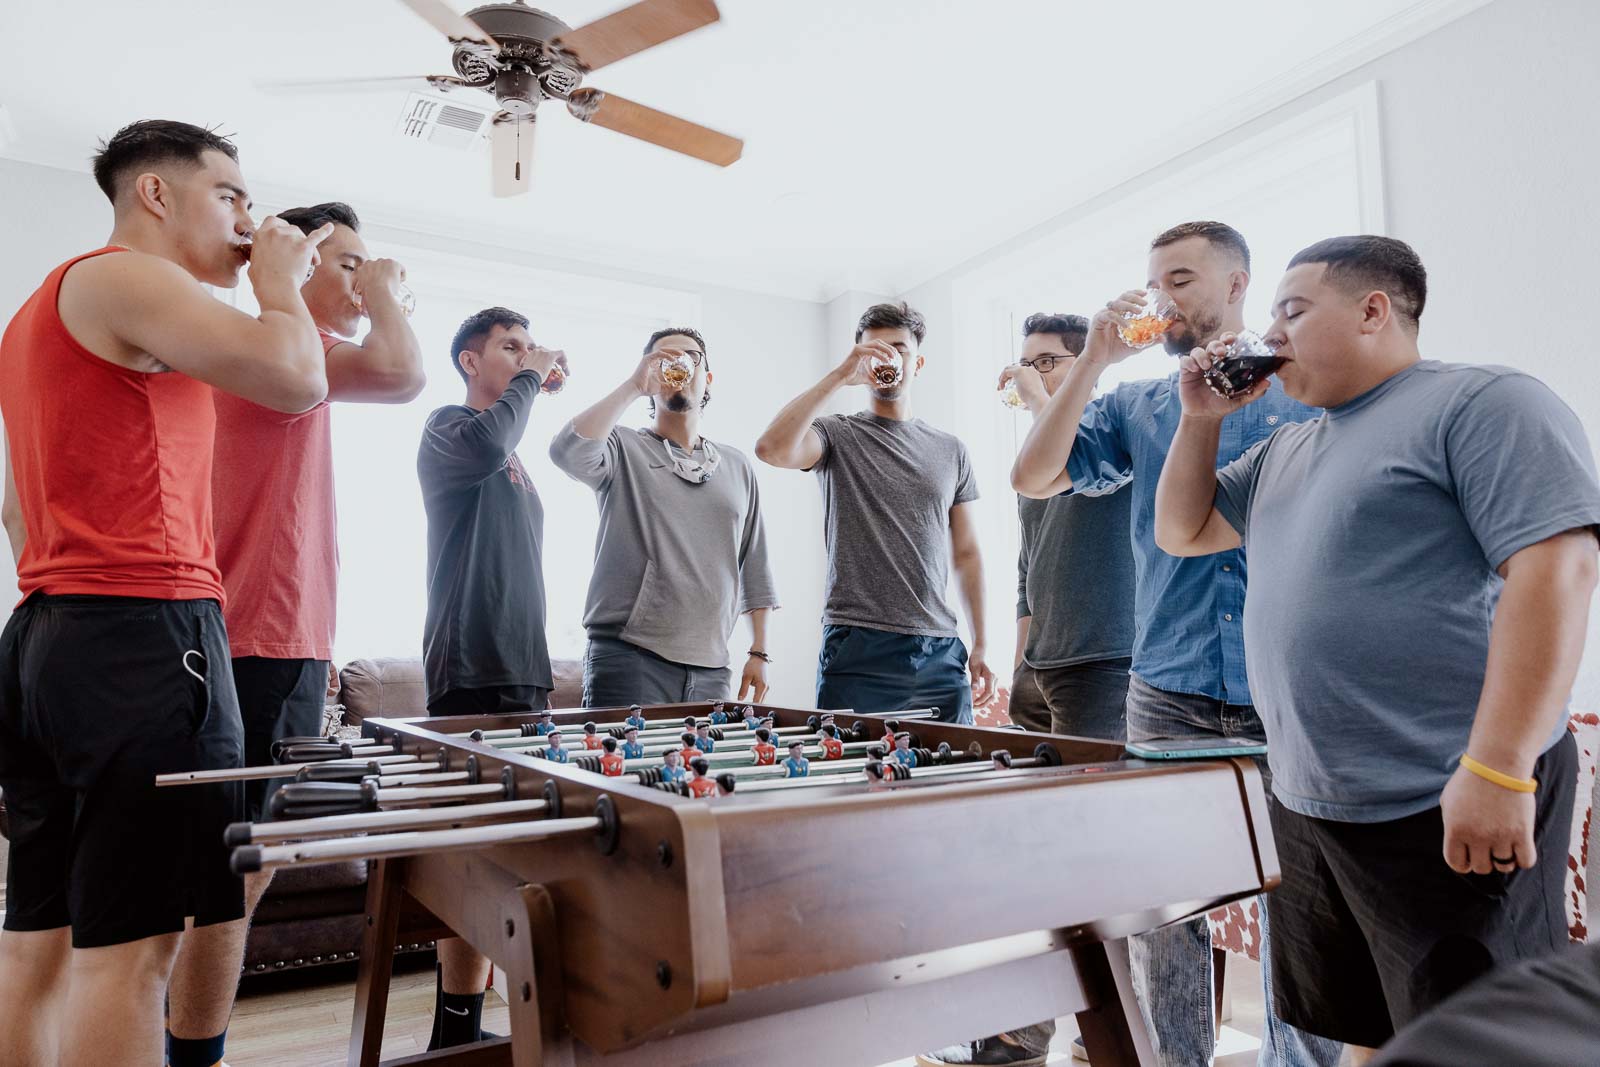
<point x="1489" y="159"/>
<point x="764" y="349"/>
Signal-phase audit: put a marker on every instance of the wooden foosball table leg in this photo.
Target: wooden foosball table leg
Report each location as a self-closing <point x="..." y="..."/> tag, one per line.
<point x="377" y="963"/>
<point x="532" y="962"/>
<point x="1112" y="1026"/>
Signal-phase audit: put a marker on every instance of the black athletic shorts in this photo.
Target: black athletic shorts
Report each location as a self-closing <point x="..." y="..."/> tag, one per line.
<point x="490" y="700"/>
<point x="277" y="698"/>
<point x="98" y="695"/>
<point x="1370" y="928"/>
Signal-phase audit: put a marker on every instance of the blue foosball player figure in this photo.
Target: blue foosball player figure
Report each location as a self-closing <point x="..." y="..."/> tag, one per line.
<point x="902" y="753"/>
<point x="702" y="737"/>
<point x="719" y="714"/>
<point x="555" y="751"/>
<point x="797" y="766"/>
<point x="672" y="767"/>
<point x="546" y="723"/>
<point x="635" y="717"/>
<point x="631" y="747"/>
<point x="752" y="721"/>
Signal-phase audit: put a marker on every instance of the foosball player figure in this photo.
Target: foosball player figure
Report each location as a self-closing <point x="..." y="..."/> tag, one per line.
<point x="591" y="737"/>
<point x="546" y="723"/>
<point x="690" y="722"/>
<point x="635" y="717"/>
<point x="702" y="737"/>
<point x="832" y="745"/>
<point x="555" y="751"/>
<point x="631" y="747"/>
<point x="701" y="784"/>
<point x="719" y="714"/>
<point x="611" y="762"/>
<point x="672" y="766"/>
<point x="690" y="750"/>
<point x="889" y="729"/>
<point x="901" y="753"/>
<point x="765" y="752"/>
<point x="770" y="726"/>
<point x="751" y="720"/>
<point x="797" y="766"/>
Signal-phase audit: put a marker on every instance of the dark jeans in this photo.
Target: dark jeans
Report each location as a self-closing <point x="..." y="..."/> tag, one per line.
<point x="616" y="674"/>
<point x="870" y="671"/>
<point x="278" y="698"/>
<point x="1082" y="699"/>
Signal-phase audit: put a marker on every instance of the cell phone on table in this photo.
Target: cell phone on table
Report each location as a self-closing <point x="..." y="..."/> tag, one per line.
<point x="1196" y="748"/>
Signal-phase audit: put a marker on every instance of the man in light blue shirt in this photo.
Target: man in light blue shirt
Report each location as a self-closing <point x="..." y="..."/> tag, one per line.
<point x="1188" y="651"/>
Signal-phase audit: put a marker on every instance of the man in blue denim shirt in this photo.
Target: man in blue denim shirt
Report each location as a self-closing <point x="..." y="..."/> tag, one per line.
<point x="1188" y="651"/>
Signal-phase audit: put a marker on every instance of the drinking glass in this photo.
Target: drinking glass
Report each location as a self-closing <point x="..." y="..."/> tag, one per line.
<point x="1144" y="328"/>
<point x="1248" y="360"/>
<point x="886" y="371"/>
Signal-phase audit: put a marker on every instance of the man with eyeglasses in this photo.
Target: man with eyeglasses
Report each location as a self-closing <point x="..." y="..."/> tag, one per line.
<point x="682" y="552"/>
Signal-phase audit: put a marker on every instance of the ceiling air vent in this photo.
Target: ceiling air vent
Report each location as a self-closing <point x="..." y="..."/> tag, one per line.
<point x="447" y="123"/>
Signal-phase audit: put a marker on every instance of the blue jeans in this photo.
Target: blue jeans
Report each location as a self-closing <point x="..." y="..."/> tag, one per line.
<point x="1172" y="973"/>
<point x="873" y="671"/>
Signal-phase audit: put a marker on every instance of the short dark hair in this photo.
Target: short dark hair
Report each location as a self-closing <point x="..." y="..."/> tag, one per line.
<point x="1072" y="329"/>
<point x="1362" y="263"/>
<point x="700" y="765"/>
<point x="683" y="331"/>
<point x="318" y="215"/>
<point x="477" y="329"/>
<point x="609" y="744"/>
<point x="152" y="141"/>
<point x="892" y="317"/>
<point x="1220" y="234"/>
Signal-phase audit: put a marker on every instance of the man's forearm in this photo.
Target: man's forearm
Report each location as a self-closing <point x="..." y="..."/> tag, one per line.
<point x="596" y="421"/>
<point x="1534" y="649"/>
<point x="390" y="350"/>
<point x="969" y="573"/>
<point x="786" y="432"/>
<point x="1048" y="446"/>
<point x="1188" y="484"/>
<point x="758" y="629"/>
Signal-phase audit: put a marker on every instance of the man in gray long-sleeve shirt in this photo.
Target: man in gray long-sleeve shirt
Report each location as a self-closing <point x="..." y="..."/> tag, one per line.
<point x="681" y="552"/>
<point x="483" y="639"/>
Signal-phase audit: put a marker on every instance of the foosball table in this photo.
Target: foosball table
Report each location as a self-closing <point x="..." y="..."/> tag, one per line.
<point x="842" y="917"/>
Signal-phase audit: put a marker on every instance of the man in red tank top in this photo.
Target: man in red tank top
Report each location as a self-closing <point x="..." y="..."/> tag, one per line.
<point x="114" y="668"/>
<point x="277" y="548"/>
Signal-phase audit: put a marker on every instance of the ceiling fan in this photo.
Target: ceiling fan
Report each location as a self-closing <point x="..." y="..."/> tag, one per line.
<point x="524" y="56"/>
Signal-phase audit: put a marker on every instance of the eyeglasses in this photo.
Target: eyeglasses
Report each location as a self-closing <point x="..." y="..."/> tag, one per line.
<point x="1044" y="364"/>
<point x="694" y="356"/>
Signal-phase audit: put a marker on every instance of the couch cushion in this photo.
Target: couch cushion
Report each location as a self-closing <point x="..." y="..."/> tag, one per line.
<point x="395" y="687"/>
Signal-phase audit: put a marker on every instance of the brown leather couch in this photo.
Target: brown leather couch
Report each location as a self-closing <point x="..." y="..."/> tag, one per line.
<point x="313" y="915"/>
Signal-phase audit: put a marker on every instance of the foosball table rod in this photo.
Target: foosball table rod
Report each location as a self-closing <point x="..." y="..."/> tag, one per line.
<point x="352" y="766"/>
<point x="248" y="859"/>
<point x="267" y="833"/>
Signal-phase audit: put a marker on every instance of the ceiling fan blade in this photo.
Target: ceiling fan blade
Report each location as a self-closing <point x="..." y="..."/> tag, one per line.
<point x="633" y="29"/>
<point x="511" y="151"/>
<point x="444" y="18"/>
<point x="659" y="128"/>
<point x="363" y="85"/>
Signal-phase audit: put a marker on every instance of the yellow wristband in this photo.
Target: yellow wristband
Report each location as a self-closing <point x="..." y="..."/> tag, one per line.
<point x="1504" y="781"/>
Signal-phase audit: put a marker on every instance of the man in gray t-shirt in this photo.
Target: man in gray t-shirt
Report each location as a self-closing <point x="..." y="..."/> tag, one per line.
<point x="896" y="495"/>
<point x="1422" y="559"/>
<point x="1075" y="572"/>
<point x="681" y="552"/>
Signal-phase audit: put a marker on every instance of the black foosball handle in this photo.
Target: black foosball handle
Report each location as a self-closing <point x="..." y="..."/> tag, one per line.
<point x="337" y="772"/>
<point x="307" y="800"/>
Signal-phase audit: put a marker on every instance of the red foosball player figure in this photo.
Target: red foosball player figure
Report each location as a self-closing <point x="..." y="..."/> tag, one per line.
<point x="766" y="753"/>
<point x="832" y="746"/>
<point x="889" y="729"/>
<point x="690" y="751"/>
<point x="700" y="782"/>
<point x="611" y="762"/>
<point x="672" y="766"/>
<point x="689" y="723"/>
<point x="591" y="737"/>
<point x="901" y="753"/>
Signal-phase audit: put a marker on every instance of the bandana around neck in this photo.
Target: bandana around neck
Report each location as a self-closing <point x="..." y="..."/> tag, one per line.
<point x="685" y="466"/>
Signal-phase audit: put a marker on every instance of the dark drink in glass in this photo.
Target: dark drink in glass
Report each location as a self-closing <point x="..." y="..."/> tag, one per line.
<point x="1248" y="360"/>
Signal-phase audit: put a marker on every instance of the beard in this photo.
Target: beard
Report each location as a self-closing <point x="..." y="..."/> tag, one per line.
<point x="1192" y="331"/>
<point x="678" y="402"/>
<point x="890" y="392"/>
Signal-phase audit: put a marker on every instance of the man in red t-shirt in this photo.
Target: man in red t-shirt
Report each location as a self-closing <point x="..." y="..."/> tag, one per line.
<point x="114" y="668"/>
<point x="277" y="547"/>
<point x="611" y="764"/>
<point x="700" y="782"/>
<point x="591" y="737"/>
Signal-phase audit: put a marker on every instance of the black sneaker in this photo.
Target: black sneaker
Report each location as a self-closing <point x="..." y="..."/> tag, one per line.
<point x="984" y="1051"/>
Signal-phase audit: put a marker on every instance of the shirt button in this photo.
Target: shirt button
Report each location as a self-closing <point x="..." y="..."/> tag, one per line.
<point x="1227" y="618"/>
<point x="1227" y="567"/>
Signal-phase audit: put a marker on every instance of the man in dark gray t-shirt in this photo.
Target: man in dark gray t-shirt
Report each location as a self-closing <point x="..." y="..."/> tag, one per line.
<point x="1074" y="573"/>
<point x="1422" y="561"/>
<point x="896" y="495"/>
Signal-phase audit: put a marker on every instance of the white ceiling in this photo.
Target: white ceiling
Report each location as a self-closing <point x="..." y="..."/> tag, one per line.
<point x="887" y="140"/>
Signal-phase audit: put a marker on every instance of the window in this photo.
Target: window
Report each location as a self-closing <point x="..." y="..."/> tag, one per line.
<point x="1313" y="175"/>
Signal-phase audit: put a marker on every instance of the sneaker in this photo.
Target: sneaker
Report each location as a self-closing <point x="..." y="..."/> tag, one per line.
<point x="1079" y="1052"/>
<point x="982" y="1052"/>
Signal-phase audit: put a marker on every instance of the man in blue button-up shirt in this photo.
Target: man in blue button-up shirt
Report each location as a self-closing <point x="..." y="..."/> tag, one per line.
<point x="1188" y="652"/>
